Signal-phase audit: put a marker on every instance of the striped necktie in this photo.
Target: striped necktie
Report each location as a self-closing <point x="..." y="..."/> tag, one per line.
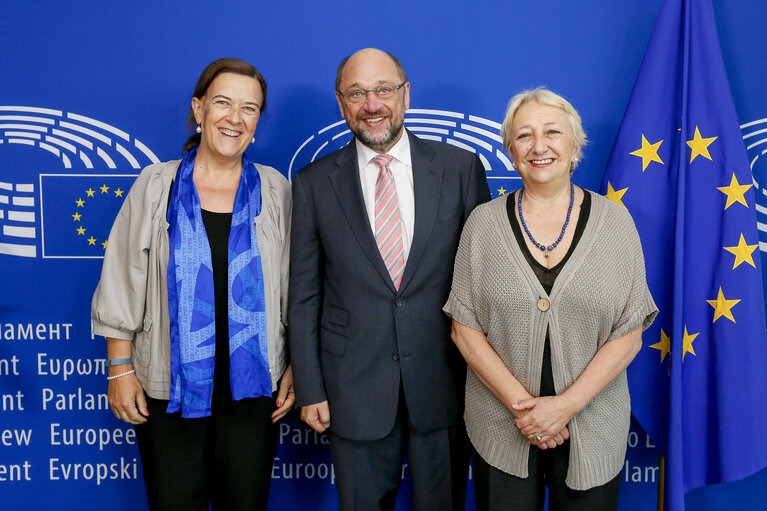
<point x="388" y="231"/>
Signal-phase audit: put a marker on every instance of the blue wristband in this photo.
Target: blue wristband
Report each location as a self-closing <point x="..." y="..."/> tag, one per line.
<point x="118" y="361"/>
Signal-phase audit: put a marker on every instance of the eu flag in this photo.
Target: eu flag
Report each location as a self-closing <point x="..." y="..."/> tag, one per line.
<point x="699" y="385"/>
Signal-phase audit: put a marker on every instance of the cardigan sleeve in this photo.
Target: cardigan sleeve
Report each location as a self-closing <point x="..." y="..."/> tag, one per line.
<point x="118" y="305"/>
<point x="640" y="309"/>
<point x="460" y="303"/>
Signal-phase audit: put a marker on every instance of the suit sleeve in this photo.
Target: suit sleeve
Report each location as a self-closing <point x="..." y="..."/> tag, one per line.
<point x="304" y="302"/>
<point x="477" y="191"/>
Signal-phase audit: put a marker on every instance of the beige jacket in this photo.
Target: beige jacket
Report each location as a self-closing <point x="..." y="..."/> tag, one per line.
<point x="131" y="300"/>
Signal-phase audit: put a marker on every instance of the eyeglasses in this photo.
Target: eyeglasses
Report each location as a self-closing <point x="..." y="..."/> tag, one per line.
<point x="381" y="92"/>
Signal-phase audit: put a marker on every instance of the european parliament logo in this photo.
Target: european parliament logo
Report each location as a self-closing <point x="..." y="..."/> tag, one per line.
<point x="53" y="213"/>
<point x="470" y="132"/>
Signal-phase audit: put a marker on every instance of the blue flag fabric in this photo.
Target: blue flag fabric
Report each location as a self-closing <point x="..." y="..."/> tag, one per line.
<point x="699" y="385"/>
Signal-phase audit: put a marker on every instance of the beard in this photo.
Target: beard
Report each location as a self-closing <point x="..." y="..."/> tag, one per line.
<point x="384" y="141"/>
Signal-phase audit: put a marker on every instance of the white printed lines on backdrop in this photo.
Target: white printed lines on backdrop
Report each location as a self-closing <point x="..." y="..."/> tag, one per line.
<point x="68" y="136"/>
<point x="476" y="134"/>
<point x="18" y="222"/>
<point x="755" y="138"/>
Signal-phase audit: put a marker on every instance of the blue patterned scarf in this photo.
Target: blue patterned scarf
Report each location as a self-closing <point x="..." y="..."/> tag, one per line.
<point x="191" y="297"/>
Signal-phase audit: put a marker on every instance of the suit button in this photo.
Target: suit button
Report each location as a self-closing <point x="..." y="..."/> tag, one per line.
<point x="400" y="303"/>
<point x="395" y="356"/>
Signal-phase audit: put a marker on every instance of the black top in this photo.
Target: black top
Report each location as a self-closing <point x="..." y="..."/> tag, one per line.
<point x="217" y="226"/>
<point x="547" y="276"/>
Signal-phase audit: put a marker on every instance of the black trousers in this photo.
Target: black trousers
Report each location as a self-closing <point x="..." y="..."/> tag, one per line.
<point x="497" y="490"/>
<point x="225" y="459"/>
<point x="369" y="473"/>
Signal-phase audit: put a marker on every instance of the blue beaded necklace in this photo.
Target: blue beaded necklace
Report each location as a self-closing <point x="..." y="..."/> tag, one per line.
<point x="546" y="249"/>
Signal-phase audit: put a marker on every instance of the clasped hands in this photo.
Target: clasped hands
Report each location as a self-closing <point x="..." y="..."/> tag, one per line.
<point x="546" y="417"/>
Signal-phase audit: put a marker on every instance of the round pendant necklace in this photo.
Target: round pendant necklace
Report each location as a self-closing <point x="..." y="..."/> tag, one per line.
<point x="549" y="248"/>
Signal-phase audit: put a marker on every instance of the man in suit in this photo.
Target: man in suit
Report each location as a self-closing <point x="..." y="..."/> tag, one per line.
<point x="374" y="235"/>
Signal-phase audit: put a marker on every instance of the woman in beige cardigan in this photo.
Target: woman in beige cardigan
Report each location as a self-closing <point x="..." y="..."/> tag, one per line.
<point x="548" y="302"/>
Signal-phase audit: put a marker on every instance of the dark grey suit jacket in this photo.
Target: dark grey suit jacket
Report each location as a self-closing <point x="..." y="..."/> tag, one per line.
<point x="353" y="336"/>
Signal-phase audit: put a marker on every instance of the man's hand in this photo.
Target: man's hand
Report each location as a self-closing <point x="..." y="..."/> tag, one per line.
<point x="317" y="416"/>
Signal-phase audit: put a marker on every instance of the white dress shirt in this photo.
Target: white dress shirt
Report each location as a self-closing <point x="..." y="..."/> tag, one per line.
<point x="402" y="170"/>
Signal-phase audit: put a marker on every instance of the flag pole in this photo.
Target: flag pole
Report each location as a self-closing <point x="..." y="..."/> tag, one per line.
<point x="661" y="480"/>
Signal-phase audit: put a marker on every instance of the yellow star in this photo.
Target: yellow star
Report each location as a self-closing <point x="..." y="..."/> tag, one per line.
<point x="687" y="342"/>
<point x="80" y="203"/>
<point x="648" y="152"/>
<point x="501" y="191"/>
<point x="104" y="244"/>
<point x="104" y="189"/>
<point x="615" y="195"/>
<point x="91" y="241"/>
<point x="699" y="145"/>
<point x="735" y="192"/>
<point x="722" y="306"/>
<point x="664" y="345"/>
<point x="77" y="216"/>
<point x="743" y="252"/>
<point x="81" y="230"/>
<point x="90" y="192"/>
<point x="118" y="193"/>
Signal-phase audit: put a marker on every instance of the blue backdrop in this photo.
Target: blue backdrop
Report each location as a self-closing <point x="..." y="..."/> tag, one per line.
<point x="90" y="92"/>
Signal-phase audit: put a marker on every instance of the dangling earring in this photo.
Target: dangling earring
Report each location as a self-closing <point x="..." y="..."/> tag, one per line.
<point x="198" y="129"/>
<point x="253" y="140"/>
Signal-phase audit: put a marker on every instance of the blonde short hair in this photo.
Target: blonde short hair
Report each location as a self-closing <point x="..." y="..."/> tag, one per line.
<point x="544" y="96"/>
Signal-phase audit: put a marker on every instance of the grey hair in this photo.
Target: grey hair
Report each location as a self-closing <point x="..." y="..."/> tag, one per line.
<point x="544" y="96"/>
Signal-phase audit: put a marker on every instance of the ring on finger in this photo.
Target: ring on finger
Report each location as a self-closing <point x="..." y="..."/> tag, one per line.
<point x="536" y="437"/>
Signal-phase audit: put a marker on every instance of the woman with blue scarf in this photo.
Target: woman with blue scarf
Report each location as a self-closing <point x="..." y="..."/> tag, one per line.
<point x="192" y="300"/>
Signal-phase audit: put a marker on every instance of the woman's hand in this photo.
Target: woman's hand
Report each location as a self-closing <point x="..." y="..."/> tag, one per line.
<point x="286" y="396"/>
<point x="127" y="400"/>
<point x="547" y="418"/>
<point x="551" y="443"/>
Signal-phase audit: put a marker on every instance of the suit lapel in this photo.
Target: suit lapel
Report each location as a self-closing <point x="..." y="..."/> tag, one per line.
<point x="427" y="184"/>
<point x="345" y="180"/>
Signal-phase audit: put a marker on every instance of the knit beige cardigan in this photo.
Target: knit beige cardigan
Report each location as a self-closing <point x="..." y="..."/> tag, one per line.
<point x="600" y="294"/>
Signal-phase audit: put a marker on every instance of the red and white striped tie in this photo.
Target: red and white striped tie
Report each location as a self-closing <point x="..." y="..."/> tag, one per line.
<point x="388" y="231"/>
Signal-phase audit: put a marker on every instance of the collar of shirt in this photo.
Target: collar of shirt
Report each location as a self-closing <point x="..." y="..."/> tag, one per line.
<point x="400" y="151"/>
